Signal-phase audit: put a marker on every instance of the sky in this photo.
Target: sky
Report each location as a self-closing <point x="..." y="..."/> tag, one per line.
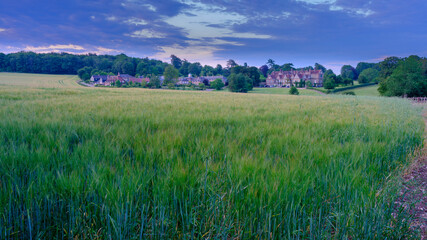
<point x="303" y="32"/>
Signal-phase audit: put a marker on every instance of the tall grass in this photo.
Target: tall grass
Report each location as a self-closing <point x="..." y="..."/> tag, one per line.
<point x="137" y="164"/>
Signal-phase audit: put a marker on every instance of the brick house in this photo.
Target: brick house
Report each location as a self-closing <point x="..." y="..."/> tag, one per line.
<point x="289" y="78"/>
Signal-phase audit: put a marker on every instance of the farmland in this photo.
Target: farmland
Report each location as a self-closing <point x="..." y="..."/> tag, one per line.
<point x="285" y="91"/>
<point x="365" y="91"/>
<point x="136" y="163"/>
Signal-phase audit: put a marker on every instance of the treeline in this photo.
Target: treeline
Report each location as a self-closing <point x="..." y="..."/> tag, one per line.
<point x="64" y="63"/>
<point x="403" y="77"/>
<point x="396" y="76"/>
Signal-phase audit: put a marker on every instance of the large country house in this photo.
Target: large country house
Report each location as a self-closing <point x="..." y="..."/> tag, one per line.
<point x="290" y="78"/>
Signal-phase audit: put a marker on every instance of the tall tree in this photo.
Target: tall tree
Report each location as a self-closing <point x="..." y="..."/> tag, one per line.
<point x="287" y="67"/>
<point x="176" y="61"/>
<point x="184" y="68"/>
<point x="195" y="69"/>
<point x="364" y="65"/>
<point x="171" y="75"/>
<point x="318" y="66"/>
<point x="368" y="75"/>
<point x="347" y="71"/>
<point x="218" y="69"/>
<point x="264" y="70"/>
<point x="239" y="83"/>
<point x="271" y="63"/>
<point x="409" y="78"/>
<point x="387" y="66"/>
<point x="128" y="68"/>
<point x="231" y="63"/>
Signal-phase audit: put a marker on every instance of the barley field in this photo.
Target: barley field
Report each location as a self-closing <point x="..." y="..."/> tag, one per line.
<point x="101" y="163"/>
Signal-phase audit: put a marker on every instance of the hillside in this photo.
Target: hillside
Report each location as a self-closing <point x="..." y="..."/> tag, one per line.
<point x="82" y="162"/>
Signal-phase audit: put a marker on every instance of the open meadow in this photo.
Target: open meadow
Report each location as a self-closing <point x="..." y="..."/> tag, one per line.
<point x="365" y="91"/>
<point x="105" y="163"/>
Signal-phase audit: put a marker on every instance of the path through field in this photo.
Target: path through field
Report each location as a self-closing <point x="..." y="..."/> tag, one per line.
<point x="414" y="190"/>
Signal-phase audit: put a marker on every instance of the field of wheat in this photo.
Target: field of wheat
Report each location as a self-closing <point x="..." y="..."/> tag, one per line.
<point x="101" y="163"/>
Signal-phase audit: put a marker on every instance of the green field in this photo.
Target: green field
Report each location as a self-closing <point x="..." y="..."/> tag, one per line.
<point x="365" y="91"/>
<point x="285" y="91"/>
<point x="105" y="163"/>
<point x="38" y="80"/>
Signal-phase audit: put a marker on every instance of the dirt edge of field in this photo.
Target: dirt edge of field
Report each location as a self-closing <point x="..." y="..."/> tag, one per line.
<point x="413" y="194"/>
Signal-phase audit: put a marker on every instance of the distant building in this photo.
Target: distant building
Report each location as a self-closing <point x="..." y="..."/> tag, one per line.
<point x="289" y="78"/>
<point x="98" y="78"/>
<point x="198" y="80"/>
<point x="123" y="78"/>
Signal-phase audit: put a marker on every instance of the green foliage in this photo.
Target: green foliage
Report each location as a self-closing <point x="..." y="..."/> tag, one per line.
<point x="368" y="75"/>
<point x="151" y="164"/>
<point x="239" y="83"/>
<point x="171" y="85"/>
<point x="231" y="63"/>
<point x="154" y="82"/>
<point x="250" y="72"/>
<point x="195" y="69"/>
<point x="207" y="71"/>
<point x="218" y="70"/>
<point x="409" y="78"/>
<point x="201" y="86"/>
<point x="84" y="73"/>
<point x="364" y="65"/>
<point x="293" y="91"/>
<point x="347" y="71"/>
<point x="328" y="84"/>
<point x="350" y="93"/>
<point x="217" y="84"/>
<point x="318" y="66"/>
<point x="329" y="79"/>
<point x="64" y="63"/>
<point x="387" y="66"/>
<point x="171" y="75"/>
<point x="176" y="61"/>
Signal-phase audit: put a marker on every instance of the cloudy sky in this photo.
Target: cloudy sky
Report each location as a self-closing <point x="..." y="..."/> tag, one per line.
<point x="331" y="32"/>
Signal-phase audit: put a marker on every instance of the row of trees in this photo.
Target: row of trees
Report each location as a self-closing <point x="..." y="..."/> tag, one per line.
<point x="185" y="67"/>
<point x="403" y="76"/>
<point x="396" y="76"/>
<point x="64" y="63"/>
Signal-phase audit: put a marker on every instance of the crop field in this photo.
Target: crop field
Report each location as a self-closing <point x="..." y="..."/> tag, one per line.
<point x="38" y="80"/>
<point x="104" y="163"/>
<point x="285" y="91"/>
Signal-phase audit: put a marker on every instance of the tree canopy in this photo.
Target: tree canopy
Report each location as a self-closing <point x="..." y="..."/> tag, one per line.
<point x="368" y="75"/>
<point x="406" y="77"/>
<point x="347" y="71"/>
<point x="64" y="63"/>
<point x="239" y="83"/>
<point x="171" y="74"/>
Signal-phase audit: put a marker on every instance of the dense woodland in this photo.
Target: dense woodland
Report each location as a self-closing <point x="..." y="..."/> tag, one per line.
<point x="396" y="76"/>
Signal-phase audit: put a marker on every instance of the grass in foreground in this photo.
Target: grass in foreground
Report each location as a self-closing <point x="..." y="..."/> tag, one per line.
<point x="134" y="163"/>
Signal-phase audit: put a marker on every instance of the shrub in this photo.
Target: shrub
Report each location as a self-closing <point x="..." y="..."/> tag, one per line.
<point x="294" y="91"/>
<point x="217" y="84"/>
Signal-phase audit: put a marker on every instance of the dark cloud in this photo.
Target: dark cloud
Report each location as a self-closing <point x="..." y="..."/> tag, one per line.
<point x="300" y="31"/>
